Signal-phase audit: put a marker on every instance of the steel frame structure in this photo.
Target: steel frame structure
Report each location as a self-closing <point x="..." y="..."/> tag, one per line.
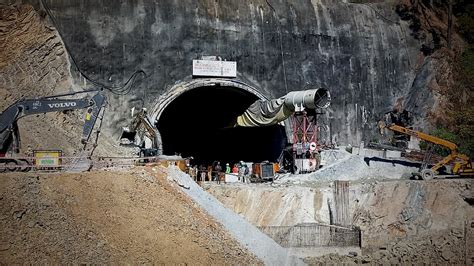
<point x="304" y="132"/>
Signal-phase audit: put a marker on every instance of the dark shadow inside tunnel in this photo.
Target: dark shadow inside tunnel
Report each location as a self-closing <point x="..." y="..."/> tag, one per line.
<point x="197" y="123"/>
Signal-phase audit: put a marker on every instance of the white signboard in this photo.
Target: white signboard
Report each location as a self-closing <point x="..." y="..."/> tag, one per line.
<point x="210" y="68"/>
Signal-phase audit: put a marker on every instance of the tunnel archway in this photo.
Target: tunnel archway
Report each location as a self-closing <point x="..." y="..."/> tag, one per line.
<point x="198" y="122"/>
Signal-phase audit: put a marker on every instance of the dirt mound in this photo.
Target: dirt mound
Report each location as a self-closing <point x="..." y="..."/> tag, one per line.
<point x="342" y="165"/>
<point x="108" y="217"/>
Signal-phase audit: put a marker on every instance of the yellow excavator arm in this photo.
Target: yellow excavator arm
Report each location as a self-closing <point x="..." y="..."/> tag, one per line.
<point x="462" y="163"/>
<point x="423" y="136"/>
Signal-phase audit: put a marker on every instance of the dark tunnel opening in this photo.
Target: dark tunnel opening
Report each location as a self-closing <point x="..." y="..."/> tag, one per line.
<point x="197" y="123"/>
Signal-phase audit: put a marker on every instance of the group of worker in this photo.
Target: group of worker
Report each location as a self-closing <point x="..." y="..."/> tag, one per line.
<point x="215" y="172"/>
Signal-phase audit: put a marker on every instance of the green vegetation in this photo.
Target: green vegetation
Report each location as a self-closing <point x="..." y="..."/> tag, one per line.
<point x="467" y="67"/>
<point x="461" y="133"/>
<point x="464" y="12"/>
<point x="463" y="112"/>
<point x="463" y="128"/>
<point x="460" y="129"/>
<point x="462" y="136"/>
<point x="442" y="133"/>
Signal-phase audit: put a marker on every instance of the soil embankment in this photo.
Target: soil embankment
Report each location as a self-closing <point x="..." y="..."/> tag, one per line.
<point x="107" y="218"/>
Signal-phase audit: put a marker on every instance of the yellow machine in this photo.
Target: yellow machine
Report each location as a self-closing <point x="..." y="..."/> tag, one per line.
<point x="462" y="163"/>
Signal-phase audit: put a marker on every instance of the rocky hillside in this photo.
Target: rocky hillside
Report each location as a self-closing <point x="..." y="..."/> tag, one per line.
<point x="389" y="54"/>
<point x="34" y="63"/>
<point x="366" y="60"/>
<point x="447" y="54"/>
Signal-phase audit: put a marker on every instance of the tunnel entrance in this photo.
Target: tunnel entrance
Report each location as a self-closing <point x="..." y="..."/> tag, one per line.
<point x="198" y="123"/>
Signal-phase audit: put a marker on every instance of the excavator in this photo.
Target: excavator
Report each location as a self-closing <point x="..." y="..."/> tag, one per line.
<point x="9" y="133"/>
<point x="141" y="133"/>
<point x="462" y="163"/>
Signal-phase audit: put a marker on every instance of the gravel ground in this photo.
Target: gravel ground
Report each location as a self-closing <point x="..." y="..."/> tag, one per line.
<point x="342" y="165"/>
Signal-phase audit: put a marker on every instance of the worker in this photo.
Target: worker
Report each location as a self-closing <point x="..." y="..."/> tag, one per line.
<point x="217" y="170"/>
<point x="235" y="169"/>
<point x="381" y="125"/>
<point x="191" y="172"/>
<point x="245" y="172"/>
<point x="203" y="172"/>
<point x="209" y="172"/>
<point x="29" y="152"/>
<point x="241" y="170"/>
<point x="227" y="168"/>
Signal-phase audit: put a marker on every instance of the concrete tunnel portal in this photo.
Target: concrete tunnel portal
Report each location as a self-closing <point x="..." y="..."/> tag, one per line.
<point x="199" y="121"/>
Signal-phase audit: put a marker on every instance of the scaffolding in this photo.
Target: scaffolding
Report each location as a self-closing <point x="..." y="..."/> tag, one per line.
<point x="304" y="139"/>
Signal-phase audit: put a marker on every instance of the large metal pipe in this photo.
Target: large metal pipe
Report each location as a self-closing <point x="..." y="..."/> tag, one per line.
<point x="311" y="99"/>
<point x="265" y="113"/>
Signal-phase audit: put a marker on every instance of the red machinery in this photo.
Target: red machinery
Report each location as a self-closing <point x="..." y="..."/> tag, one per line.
<point x="304" y="139"/>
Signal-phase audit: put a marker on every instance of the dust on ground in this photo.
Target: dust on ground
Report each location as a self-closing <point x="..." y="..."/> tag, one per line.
<point x="108" y="217"/>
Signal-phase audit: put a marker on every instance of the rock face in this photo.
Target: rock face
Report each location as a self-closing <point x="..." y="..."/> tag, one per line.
<point x="34" y="63"/>
<point x="362" y="53"/>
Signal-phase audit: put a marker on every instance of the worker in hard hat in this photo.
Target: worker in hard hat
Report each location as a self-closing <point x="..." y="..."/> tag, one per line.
<point x="216" y="172"/>
<point x="241" y="170"/>
<point x="227" y="168"/>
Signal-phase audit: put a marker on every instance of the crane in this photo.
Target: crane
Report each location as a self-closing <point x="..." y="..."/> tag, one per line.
<point x="462" y="163"/>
